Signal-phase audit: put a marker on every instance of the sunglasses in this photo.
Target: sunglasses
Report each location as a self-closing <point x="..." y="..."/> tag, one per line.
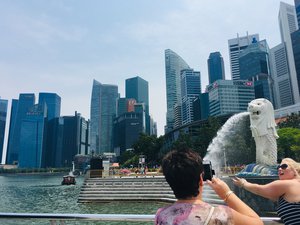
<point x="282" y="166"/>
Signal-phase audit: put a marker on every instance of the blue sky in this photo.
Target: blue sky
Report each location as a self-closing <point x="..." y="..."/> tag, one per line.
<point x="62" y="45"/>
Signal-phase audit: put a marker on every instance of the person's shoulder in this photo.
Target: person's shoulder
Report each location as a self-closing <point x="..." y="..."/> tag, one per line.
<point x="223" y="214"/>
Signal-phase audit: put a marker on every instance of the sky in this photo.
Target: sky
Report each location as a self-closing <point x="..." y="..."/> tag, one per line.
<point x="60" y="46"/>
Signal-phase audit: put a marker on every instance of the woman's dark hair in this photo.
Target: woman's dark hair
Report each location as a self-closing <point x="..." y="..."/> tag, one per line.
<point x="182" y="171"/>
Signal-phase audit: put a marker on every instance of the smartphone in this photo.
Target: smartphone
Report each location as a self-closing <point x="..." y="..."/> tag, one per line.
<point x="208" y="171"/>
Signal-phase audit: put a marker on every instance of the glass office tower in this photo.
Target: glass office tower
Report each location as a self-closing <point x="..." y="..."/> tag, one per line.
<point x="103" y="112"/>
<point x="190" y="89"/>
<point x="215" y="65"/>
<point x="173" y="65"/>
<point x="33" y="138"/>
<point x="19" y="110"/>
<point x="3" y="114"/>
<point x="255" y="66"/>
<point x="236" y="46"/>
<point x="137" y="88"/>
<point x="229" y="96"/>
<point x="52" y="101"/>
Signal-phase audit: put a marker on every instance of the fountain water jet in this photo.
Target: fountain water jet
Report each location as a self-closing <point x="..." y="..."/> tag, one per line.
<point x="217" y="146"/>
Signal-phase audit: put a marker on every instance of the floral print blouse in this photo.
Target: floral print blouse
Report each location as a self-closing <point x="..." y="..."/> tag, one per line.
<point x="191" y="214"/>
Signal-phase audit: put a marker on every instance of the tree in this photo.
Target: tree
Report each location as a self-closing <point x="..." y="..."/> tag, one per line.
<point x="288" y="144"/>
<point x="206" y="134"/>
<point x="148" y="145"/>
<point x="183" y="141"/>
<point x="292" y="121"/>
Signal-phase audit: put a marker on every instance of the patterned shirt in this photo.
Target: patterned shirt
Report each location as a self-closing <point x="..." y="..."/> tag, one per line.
<point x="191" y="214"/>
<point x="289" y="212"/>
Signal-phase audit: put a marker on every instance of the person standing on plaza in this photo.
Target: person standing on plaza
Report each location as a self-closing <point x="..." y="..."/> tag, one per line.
<point x="286" y="191"/>
<point x="183" y="170"/>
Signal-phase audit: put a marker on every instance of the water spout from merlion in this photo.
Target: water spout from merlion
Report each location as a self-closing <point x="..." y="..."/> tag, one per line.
<point x="216" y="150"/>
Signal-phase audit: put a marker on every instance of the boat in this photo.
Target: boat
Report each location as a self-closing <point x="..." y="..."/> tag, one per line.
<point x="68" y="180"/>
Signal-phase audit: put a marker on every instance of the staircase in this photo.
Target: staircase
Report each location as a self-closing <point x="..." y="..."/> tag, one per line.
<point x="134" y="189"/>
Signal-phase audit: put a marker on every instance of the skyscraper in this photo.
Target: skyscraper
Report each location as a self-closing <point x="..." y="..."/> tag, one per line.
<point x="215" y="65"/>
<point x="237" y="45"/>
<point x="52" y="101"/>
<point x="255" y="66"/>
<point x="229" y="96"/>
<point x="297" y="7"/>
<point x="32" y="137"/>
<point x="127" y="129"/>
<point x="137" y="88"/>
<point x="288" y="24"/>
<point x="19" y="110"/>
<point x="3" y="114"/>
<point x="282" y="86"/>
<point x="190" y="89"/>
<point x="103" y="111"/>
<point x="173" y="64"/>
<point x="125" y="105"/>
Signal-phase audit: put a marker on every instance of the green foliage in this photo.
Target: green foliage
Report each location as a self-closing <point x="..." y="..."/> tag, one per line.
<point x="202" y="137"/>
<point x="288" y="144"/>
<point x="292" y="121"/>
<point x="148" y="145"/>
<point x="206" y="134"/>
<point x="183" y="141"/>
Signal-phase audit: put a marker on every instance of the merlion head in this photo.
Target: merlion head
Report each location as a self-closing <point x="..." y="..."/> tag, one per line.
<point x="261" y="117"/>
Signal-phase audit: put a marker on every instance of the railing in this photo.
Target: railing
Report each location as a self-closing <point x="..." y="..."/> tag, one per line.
<point x="61" y="218"/>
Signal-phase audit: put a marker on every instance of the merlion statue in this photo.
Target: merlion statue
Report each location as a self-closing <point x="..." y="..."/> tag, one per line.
<point x="263" y="127"/>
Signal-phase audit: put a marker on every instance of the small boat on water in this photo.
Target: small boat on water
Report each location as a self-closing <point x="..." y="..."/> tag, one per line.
<point x="68" y="179"/>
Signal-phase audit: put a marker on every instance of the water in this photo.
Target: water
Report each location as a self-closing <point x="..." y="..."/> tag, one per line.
<point x="45" y="194"/>
<point x="215" y="150"/>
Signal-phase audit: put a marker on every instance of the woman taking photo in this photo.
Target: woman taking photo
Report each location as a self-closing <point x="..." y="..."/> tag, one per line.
<point x="183" y="171"/>
<point x="286" y="191"/>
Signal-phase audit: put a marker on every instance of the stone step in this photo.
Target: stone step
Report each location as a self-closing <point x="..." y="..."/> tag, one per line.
<point x="134" y="189"/>
<point x="123" y="188"/>
<point x="127" y="191"/>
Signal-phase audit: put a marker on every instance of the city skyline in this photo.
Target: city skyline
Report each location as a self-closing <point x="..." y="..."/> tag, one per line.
<point x="61" y="46"/>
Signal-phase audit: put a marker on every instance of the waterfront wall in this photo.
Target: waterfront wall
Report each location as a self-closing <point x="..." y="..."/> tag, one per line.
<point x="262" y="206"/>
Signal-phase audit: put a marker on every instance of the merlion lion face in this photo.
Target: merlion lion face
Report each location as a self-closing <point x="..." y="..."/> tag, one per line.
<point x="261" y="116"/>
<point x="258" y="108"/>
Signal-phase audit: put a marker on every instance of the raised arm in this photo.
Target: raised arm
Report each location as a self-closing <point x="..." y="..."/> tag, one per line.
<point x="271" y="190"/>
<point x="242" y="213"/>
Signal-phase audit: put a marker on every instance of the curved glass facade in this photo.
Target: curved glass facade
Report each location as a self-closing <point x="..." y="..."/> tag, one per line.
<point x="103" y="112"/>
<point x="174" y="64"/>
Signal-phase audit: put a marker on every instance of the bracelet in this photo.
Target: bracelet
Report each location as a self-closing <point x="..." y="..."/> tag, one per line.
<point x="243" y="184"/>
<point x="227" y="195"/>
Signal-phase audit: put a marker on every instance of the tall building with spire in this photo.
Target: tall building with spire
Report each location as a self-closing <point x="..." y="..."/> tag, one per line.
<point x="174" y="64"/>
<point x="103" y="112"/>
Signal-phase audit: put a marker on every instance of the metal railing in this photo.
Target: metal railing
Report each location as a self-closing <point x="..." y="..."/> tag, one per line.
<point x="61" y="218"/>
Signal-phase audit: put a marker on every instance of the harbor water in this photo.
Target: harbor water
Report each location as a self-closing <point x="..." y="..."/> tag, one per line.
<point x="44" y="193"/>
